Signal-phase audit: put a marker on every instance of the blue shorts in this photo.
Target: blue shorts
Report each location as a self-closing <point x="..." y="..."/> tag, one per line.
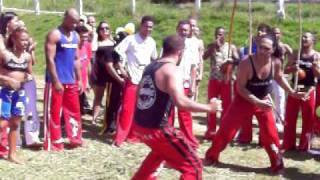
<point x="12" y="103"/>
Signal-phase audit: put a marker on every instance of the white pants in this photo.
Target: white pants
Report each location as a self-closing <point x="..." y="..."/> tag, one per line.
<point x="279" y="100"/>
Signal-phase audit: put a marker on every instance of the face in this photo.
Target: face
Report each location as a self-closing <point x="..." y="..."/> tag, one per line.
<point x="71" y="22"/>
<point x="307" y="39"/>
<point x="220" y="35"/>
<point x="104" y="30"/>
<point x="277" y="33"/>
<point x="265" y="47"/>
<point x="184" y="30"/>
<point x="13" y="24"/>
<point x="193" y="24"/>
<point x="84" y="36"/>
<point x="92" y="21"/>
<point x="146" y="28"/>
<point x="21" y="40"/>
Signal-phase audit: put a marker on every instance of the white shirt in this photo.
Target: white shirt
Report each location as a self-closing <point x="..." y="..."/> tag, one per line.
<point x="190" y="57"/>
<point x="137" y="53"/>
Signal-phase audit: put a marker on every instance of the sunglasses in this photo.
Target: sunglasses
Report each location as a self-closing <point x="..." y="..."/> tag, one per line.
<point x="104" y="28"/>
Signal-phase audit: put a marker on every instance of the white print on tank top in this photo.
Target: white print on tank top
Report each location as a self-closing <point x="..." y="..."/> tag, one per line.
<point x="147" y="93"/>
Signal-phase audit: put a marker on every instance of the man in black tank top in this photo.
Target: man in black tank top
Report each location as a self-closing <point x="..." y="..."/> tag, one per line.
<point x="254" y="82"/>
<point x="159" y="89"/>
<point x="307" y="66"/>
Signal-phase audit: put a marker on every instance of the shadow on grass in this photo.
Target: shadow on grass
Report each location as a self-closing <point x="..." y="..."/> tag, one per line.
<point x="291" y="173"/>
<point x="298" y="155"/>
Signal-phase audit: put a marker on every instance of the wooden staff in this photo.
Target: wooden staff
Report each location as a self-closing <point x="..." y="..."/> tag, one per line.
<point x="250" y="27"/>
<point x="299" y="50"/>
<point x="230" y="42"/>
<point x="231" y="26"/>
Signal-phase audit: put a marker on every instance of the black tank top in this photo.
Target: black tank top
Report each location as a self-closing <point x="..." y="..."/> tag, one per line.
<point x="260" y="88"/>
<point x="305" y="64"/>
<point x="153" y="105"/>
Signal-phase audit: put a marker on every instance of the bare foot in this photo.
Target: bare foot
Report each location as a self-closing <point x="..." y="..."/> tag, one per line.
<point x="16" y="160"/>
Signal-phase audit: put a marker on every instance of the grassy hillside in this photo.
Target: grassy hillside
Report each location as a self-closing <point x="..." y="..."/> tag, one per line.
<point x="117" y="13"/>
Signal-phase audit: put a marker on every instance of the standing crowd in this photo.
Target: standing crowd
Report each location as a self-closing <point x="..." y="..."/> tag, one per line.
<point x="144" y="89"/>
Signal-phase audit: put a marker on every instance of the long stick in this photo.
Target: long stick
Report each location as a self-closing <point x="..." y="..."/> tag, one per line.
<point x="250" y="27"/>
<point x="231" y="26"/>
<point x="299" y="50"/>
<point x="230" y="41"/>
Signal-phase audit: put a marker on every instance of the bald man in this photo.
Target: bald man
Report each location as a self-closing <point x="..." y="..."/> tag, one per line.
<point x="63" y="83"/>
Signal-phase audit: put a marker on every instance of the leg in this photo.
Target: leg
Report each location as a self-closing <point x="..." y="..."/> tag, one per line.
<point x="114" y="105"/>
<point x="317" y="118"/>
<point x="291" y="115"/>
<point x="185" y="124"/>
<point x="53" y="138"/>
<point x="270" y="139"/>
<point x="126" y="113"/>
<point x="71" y="113"/>
<point x="17" y="112"/>
<point x="98" y="95"/>
<point x="229" y="126"/>
<point x="108" y="103"/>
<point x="307" y="122"/>
<point x="213" y="89"/>
<point x="13" y="133"/>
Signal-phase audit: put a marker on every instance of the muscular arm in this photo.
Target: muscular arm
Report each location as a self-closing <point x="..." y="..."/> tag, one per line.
<point x="78" y="63"/>
<point x="291" y="66"/>
<point x="50" y="52"/>
<point x="316" y="65"/>
<point x="279" y="78"/>
<point x="171" y="83"/>
<point x="113" y="73"/>
<point x="209" y="51"/>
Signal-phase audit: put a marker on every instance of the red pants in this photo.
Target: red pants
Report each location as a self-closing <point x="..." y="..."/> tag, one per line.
<point x="317" y="119"/>
<point x="291" y="116"/>
<point x="125" y="119"/>
<point x="56" y="103"/>
<point x="185" y="124"/>
<point x="239" y="111"/>
<point x="218" y="88"/>
<point x="169" y="145"/>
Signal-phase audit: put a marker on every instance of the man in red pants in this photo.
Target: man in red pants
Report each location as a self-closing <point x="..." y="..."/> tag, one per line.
<point x="158" y="90"/>
<point x="63" y="81"/>
<point x="220" y="79"/>
<point x="138" y="51"/>
<point x="188" y="68"/>
<point x="254" y="83"/>
<point x="308" y="67"/>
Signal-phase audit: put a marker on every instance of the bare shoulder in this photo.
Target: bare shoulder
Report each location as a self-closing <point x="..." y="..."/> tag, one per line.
<point x="53" y="35"/>
<point x="245" y="63"/>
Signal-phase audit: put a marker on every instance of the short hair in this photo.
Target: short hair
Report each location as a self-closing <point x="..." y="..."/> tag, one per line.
<point x="183" y="22"/>
<point x="264" y="27"/>
<point x="81" y="29"/>
<point x="172" y="44"/>
<point x="147" y="18"/>
<point x="217" y="29"/>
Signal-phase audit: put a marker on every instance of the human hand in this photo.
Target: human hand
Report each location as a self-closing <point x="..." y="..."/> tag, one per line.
<point x="215" y="105"/>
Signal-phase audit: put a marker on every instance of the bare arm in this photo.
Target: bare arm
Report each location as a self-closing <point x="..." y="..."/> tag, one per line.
<point x="291" y="66"/>
<point x="50" y="52"/>
<point x="171" y="83"/>
<point x="279" y="78"/>
<point x="209" y="51"/>
<point x="316" y="65"/>
<point x="113" y="73"/>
